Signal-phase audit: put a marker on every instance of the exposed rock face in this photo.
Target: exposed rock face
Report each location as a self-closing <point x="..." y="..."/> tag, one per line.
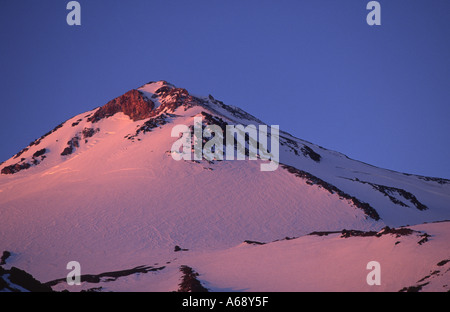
<point x="172" y="98"/>
<point x="71" y="145"/>
<point x="22" y="164"/>
<point x="133" y="104"/>
<point x="190" y="283"/>
<point x="15" y="168"/>
<point x="150" y="124"/>
<point x="74" y="142"/>
<point x="38" y="141"/>
<point x="313" y="180"/>
<point x="108" y="276"/>
<point x="16" y="280"/>
<point x="6" y="254"/>
<point x="40" y="152"/>
<point x="391" y="191"/>
<point x="89" y="132"/>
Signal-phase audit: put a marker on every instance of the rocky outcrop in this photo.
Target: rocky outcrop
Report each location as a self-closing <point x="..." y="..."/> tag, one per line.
<point x="313" y="180"/>
<point x="38" y="141"/>
<point x="305" y="150"/>
<point x="17" y="280"/>
<point x="133" y="104"/>
<point x="172" y="98"/>
<point x="439" y="272"/>
<point x="71" y="145"/>
<point x="22" y="164"/>
<point x="108" y="276"/>
<point x="189" y="282"/>
<point x="11" y="169"/>
<point x="40" y="152"/>
<point x="150" y="124"/>
<point x="6" y="254"/>
<point x="89" y="132"/>
<point x="74" y="142"/>
<point x="390" y="191"/>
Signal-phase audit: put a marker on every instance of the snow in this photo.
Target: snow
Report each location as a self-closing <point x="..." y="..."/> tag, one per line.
<point x="116" y="204"/>
<point x="149" y="90"/>
<point x="328" y="263"/>
<point x="307" y="263"/>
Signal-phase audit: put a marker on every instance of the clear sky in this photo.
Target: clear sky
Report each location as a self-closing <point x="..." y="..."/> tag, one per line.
<point x="378" y="94"/>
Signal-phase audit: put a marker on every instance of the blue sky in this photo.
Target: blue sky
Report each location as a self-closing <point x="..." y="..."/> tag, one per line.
<point x="378" y="94"/>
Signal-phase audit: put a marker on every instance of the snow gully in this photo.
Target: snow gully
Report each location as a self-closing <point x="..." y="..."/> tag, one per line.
<point x="208" y="142"/>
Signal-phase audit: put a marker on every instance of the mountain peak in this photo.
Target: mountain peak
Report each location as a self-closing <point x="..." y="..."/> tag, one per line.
<point x="137" y="104"/>
<point x="152" y="86"/>
<point x="133" y="104"/>
<point x="107" y="178"/>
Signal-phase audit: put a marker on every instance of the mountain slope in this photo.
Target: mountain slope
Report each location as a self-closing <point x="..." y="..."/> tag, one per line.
<point x="103" y="189"/>
<point x="320" y="261"/>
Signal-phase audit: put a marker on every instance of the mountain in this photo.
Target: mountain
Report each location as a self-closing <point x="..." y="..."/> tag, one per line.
<point x="103" y="189"/>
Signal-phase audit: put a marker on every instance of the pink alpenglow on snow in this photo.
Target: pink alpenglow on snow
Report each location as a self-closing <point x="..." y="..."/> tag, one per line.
<point x="103" y="189"/>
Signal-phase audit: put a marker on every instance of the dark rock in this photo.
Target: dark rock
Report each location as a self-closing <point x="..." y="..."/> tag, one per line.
<point x="313" y="180"/>
<point x="37" y="141"/>
<point x="295" y="148"/>
<point x="389" y="190"/>
<point x="71" y="144"/>
<point x="416" y="288"/>
<point x="76" y="122"/>
<point x="109" y="276"/>
<point x="89" y="132"/>
<point x="397" y="232"/>
<point x="385" y="231"/>
<point x="67" y="151"/>
<point x="133" y="104"/>
<point x="6" y="254"/>
<point x="26" y="280"/>
<point x="324" y="233"/>
<point x="307" y="151"/>
<point x="40" y="152"/>
<point x="443" y="262"/>
<point x="3" y="284"/>
<point x="21" y="152"/>
<point x="253" y="242"/>
<point x="172" y="98"/>
<point x="11" y="169"/>
<point x="353" y="233"/>
<point x="163" y="90"/>
<point x="438" y="180"/>
<point x="178" y="248"/>
<point x="424" y="238"/>
<point x="189" y="282"/>
<point x="150" y="124"/>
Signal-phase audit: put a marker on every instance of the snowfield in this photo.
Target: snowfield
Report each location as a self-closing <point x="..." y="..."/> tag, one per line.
<point x="117" y="200"/>
<point x="308" y="263"/>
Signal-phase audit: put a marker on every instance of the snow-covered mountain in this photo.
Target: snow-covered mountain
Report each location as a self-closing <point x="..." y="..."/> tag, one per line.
<point x="103" y="189"/>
